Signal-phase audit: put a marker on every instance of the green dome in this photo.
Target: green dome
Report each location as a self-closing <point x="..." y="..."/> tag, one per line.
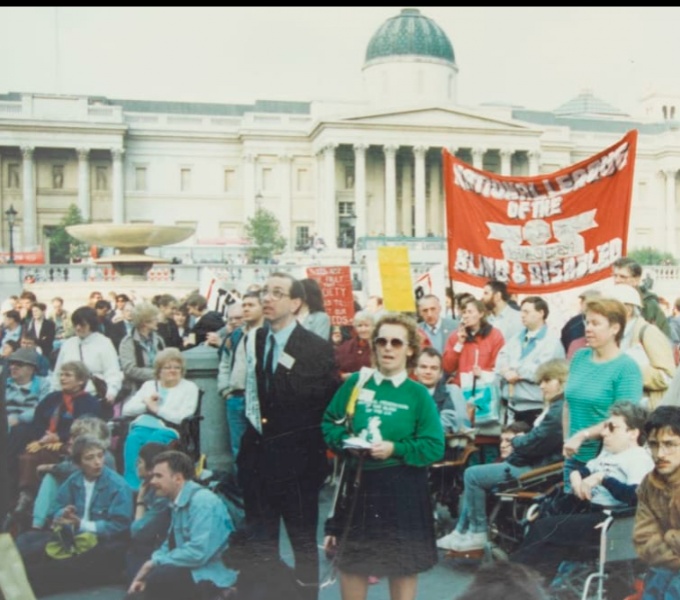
<point x="410" y="33"/>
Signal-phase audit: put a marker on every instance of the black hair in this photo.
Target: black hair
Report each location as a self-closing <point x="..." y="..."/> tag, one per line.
<point x="663" y="417"/>
<point x="149" y="451"/>
<point x="539" y="304"/>
<point x="313" y="295"/>
<point x="297" y="290"/>
<point x="499" y="286"/>
<point x="85" y="315"/>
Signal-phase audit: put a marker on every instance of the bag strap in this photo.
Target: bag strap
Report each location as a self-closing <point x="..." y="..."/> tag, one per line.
<point x="641" y="335"/>
<point x="364" y="375"/>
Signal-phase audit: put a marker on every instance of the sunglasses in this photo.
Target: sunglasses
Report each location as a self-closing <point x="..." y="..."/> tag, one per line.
<point x="382" y="342"/>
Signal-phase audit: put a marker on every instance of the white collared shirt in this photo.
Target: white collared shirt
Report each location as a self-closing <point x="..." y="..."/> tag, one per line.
<point x="396" y="380"/>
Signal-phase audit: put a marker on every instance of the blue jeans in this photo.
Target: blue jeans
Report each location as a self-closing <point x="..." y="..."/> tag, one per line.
<point x="236" y="417"/>
<point x="47" y="494"/>
<point x="136" y="438"/>
<point x="477" y="481"/>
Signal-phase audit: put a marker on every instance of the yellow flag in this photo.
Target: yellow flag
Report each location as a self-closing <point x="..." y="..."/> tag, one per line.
<point x="395" y="275"/>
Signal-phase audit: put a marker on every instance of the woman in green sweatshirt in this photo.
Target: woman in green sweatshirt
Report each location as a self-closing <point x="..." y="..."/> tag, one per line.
<point x="387" y="530"/>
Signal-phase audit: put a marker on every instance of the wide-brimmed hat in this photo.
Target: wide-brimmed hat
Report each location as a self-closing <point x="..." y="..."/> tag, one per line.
<point x="26" y="356"/>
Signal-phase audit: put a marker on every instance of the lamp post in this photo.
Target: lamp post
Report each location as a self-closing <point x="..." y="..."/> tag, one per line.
<point x="351" y="220"/>
<point x="11" y="215"/>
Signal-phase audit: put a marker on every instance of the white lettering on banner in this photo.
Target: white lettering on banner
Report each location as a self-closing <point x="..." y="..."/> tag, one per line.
<point x="541" y="272"/>
<point x="512" y="191"/>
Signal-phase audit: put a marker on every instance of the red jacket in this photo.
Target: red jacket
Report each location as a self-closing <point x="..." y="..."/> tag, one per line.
<point x="483" y="348"/>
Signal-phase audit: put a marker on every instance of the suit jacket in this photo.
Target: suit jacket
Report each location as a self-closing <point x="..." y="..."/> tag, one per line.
<point x="46" y="337"/>
<point x="438" y="341"/>
<point x="291" y="445"/>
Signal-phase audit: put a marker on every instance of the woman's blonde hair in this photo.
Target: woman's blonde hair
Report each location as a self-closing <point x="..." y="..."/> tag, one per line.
<point x="166" y="356"/>
<point x="143" y="313"/>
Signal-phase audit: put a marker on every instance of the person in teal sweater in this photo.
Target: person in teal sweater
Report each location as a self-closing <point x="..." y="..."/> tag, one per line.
<point x="387" y="426"/>
<point x="599" y="376"/>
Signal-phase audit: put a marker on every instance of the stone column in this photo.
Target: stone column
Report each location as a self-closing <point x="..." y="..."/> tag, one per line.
<point x="118" y="186"/>
<point x="478" y="157"/>
<point x="249" y="190"/>
<point x="84" y="182"/>
<point x="405" y="208"/>
<point x="534" y="157"/>
<point x="286" y="199"/>
<point x="30" y="216"/>
<point x="329" y="211"/>
<point x="420" y="214"/>
<point x="671" y="241"/>
<point x="506" y="162"/>
<point x="390" y="190"/>
<point x="437" y="201"/>
<point x="360" y="190"/>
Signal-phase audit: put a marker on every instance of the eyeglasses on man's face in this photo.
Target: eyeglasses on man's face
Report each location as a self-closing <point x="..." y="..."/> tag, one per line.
<point x="382" y="342"/>
<point x="276" y="294"/>
<point x="666" y="446"/>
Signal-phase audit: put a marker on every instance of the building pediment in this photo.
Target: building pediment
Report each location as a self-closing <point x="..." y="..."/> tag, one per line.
<point x="441" y="118"/>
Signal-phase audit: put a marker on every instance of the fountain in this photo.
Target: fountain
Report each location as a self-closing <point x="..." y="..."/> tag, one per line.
<point x="130" y="241"/>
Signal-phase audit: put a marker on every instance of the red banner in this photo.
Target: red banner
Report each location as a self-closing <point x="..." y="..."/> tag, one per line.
<point x="336" y="287"/>
<point x="544" y="233"/>
<point x="24" y="258"/>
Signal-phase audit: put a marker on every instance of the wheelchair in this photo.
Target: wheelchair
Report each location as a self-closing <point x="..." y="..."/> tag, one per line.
<point x="189" y="431"/>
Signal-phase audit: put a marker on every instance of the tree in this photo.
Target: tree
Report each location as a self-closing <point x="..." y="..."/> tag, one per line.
<point x="648" y="256"/>
<point x="264" y="232"/>
<point x="64" y="247"/>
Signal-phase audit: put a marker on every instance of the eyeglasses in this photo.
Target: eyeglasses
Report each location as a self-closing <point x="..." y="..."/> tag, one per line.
<point x="665" y="446"/>
<point x="171" y="368"/>
<point x="612" y="428"/>
<point x="382" y="342"/>
<point x="276" y="294"/>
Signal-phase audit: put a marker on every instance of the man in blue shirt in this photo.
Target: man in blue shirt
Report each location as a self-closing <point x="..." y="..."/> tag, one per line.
<point x="189" y="563"/>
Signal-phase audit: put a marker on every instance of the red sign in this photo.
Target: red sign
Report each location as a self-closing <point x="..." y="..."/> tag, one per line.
<point x="540" y="234"/>
<point x="336" y="287"/>
<point x="24" y="258"/>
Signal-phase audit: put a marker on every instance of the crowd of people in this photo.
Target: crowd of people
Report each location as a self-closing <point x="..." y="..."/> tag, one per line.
<point x="382" y="396"/>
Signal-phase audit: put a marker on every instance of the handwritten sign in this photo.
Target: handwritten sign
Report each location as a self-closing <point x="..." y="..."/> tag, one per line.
<point x="336" y="287"/>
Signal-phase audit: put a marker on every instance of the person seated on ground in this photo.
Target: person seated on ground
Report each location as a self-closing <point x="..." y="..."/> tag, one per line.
<point x="189" y="562"/>
<point x="429" y="372"/>
<point x="7" y="348"/>
<point x="94" y="501"/>
<point x="152" y="513"/>
<point x="540" y="446"/>
<point x="53" y="475"/>
<point x="656" y="534"/>
<point x="609" y="480"/>
<point x="139" y="348"/>
<point x="28" y="340"/>
<point x="159" y="406"/>
<point x="51" y="427"/>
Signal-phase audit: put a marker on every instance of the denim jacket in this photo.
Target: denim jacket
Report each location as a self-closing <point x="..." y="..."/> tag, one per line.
<point x="111" y="505"/>
<point x="201" y="526"/>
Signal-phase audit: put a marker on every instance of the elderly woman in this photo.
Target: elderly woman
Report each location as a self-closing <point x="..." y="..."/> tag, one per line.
<point x="159" y="406"/>
<point x="599" y="376"/>
<point x="93" y="349"/>
<point x="51" y="428"/>
<point x="391" y="420"/>
<point x="138" y="350"/>
<point x="355" y="353"/>
<point x="94" y="504"/>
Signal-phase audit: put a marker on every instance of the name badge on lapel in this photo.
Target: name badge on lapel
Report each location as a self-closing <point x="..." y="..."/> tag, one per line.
<point x="286" y="360"/>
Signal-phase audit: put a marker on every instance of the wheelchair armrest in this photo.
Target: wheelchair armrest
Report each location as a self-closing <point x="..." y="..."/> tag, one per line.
<point x="621" y="512"/>
<point x="542" y="472"/>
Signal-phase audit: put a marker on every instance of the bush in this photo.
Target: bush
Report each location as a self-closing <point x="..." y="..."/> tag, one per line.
<point x="648" y="256"/>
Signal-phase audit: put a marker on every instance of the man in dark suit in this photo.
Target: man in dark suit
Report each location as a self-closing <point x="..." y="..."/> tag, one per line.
<point x="282" y="462"/>
<point x="436" y="327"/>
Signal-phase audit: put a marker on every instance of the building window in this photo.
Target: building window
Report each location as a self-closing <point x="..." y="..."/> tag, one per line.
<point x="345" y="209"/>
<point x="301" y="237"/>
<point x="303" y="183"/>
<point x="349" y="177"/>
<point x="185" y="180"/>
<point x="140" y="179"/>
<point x="58" y="177"/>
<point x="229" y="180"/>
<point x="267" y="179"/>
<point x="13" y="180"/>
<point x="101" y="181"/>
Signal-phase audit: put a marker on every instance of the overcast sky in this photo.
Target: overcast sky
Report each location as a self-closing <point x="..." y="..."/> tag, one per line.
<point x="534" y="57"/>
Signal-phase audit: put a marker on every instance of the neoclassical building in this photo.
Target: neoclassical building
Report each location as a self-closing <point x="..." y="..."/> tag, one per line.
<point x="314" y="163"/>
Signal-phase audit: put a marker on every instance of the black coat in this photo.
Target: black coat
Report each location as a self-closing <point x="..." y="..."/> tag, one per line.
<point x="46" y="337"/>
<point x="291" y="445"/>
<point x="543" y="444"/>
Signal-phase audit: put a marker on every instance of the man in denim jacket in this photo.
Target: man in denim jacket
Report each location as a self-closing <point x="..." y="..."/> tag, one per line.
<point x="189" y="563"/>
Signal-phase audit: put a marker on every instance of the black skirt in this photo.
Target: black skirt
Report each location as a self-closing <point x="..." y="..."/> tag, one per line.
<point x="392" y="527"/>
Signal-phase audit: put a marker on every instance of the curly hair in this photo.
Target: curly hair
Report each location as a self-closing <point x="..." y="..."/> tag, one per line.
<point x="412" y="337"/>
